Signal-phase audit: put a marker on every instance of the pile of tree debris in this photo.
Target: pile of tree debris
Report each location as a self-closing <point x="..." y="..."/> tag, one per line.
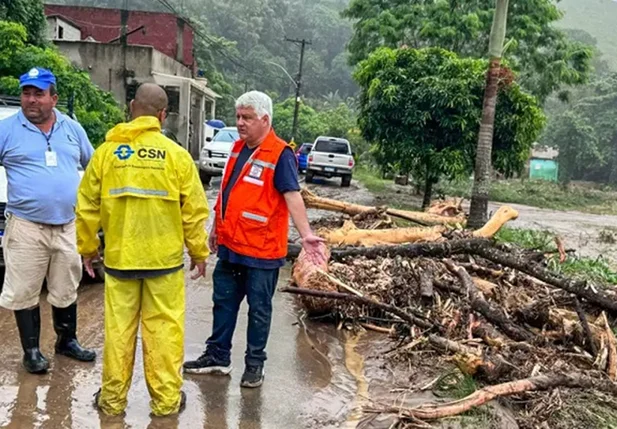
<point x="494" y="310"/>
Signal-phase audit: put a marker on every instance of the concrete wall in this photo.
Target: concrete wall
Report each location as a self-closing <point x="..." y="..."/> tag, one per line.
<point x="162" y="30"/>
<point x="69" y="31"/>
<point x="105" y="64"/>
<point x="163" y="64"/>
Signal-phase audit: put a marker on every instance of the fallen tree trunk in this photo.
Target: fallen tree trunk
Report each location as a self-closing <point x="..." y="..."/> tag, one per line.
<point x="349" y="235"/>
<point x="481" y="247"/>
<point x="434" y="250"/>
<point x="502" y="216"/>
<point x="314" y="202"/>
<point x="308" y="275"/>
<point x="436" y="411"/>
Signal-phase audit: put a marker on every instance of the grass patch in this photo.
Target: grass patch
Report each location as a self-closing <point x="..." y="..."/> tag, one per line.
<point x="542" y="241"/>
<point x="542" y="194"/>
<point x="598" y="270"/>
<point x="370" y="179"/>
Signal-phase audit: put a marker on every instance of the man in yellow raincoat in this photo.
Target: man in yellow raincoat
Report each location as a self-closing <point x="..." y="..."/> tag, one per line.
<point x="144" y="191"/>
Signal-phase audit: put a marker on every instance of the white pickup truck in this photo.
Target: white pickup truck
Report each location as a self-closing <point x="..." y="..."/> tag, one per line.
<point x="331" y="157"/>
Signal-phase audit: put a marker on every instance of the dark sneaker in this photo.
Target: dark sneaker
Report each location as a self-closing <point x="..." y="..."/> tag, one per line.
<point x="182" y="402"/>
<point x="253" y="376"/>
<point x="207" y="364"/>
<point x="97" y="396"/>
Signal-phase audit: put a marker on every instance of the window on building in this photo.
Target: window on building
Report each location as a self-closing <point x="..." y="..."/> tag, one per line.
<point x="60" y="32"/>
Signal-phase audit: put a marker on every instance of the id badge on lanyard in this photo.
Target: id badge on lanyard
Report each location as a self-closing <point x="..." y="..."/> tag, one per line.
<point x="51" y="157"/>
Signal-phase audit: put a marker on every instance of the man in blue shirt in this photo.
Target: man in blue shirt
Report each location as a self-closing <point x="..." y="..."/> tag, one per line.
<point x="41" y="150"/>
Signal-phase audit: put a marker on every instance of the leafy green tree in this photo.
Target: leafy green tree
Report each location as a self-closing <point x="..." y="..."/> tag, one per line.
<point x="421" y="109"/>
<point x="540" y="53"/>
<point x="30" y="14"/>
<point x="337" y="121"/>
<point x="95" y="109"/>
<point x="586" y="135"/>
<point x="309" y="125"/>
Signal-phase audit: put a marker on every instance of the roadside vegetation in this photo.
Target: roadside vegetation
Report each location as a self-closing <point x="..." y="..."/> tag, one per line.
<point x="580" y="197"/>
<point x="598" y="270"/>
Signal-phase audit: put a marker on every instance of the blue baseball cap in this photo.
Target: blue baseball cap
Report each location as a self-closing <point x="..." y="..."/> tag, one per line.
<point x="39" y="78"/>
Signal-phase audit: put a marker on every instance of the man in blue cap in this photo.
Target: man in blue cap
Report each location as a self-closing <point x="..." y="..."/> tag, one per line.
<point x="42" y="150"/>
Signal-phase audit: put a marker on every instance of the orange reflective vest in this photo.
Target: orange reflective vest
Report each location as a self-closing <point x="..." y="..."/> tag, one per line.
<point x="256" y="221"/>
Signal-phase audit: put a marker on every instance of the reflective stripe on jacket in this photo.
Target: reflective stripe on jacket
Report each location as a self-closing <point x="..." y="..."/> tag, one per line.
<point x="256" y="221"/>
<point x="144" y="191"/>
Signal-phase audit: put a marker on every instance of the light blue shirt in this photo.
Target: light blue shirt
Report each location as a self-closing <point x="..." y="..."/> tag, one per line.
<point x="38" y="192"/>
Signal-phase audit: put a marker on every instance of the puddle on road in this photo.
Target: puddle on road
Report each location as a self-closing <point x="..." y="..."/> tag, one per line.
<point x="354" y="362"/>
<point x="307" y="383"/>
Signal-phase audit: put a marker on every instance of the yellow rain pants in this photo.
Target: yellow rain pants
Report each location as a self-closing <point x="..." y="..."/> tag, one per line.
<point x="160" y="302"/>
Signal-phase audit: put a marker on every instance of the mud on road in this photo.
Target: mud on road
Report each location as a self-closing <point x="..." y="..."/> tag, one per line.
<point x="316" y="375"/>
<point x="308" y="384"/>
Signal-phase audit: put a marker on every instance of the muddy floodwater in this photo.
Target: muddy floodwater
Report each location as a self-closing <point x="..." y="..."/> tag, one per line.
<point x="313" y="374"/>
<point x="309" y="383"/>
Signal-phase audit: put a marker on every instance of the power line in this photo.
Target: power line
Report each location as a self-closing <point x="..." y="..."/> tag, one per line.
<point x="213" y="43"/>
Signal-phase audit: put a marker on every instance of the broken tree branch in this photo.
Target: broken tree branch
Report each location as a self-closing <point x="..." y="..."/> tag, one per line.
<point x="586" y="329"/>
<point x="502" y="216"/>
<point x="436" y="411"/>
<point x="611" y="365"/>
<point x="605" y="299"/>
<point x="315" y="202"/>
<point x="413" y="320"/>
<point x="491" y="312"/>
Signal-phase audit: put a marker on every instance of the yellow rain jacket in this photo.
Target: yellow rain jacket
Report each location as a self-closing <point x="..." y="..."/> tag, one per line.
<point x="167" y="207"/>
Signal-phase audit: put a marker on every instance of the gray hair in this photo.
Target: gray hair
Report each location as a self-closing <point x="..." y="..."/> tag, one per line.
<point x="259" y="101"/>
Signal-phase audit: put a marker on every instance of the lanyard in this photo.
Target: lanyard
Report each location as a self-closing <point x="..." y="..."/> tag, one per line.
<point x="48" y="136"/>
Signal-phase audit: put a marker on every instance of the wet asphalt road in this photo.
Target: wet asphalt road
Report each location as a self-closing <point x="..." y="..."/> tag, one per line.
<point x="307" y="383"/>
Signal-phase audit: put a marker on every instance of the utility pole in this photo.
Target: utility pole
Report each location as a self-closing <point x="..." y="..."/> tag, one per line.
<point x="302" y="43"/>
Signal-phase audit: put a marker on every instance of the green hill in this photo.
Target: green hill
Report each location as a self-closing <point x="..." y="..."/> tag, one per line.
<point x="598" y="18"/>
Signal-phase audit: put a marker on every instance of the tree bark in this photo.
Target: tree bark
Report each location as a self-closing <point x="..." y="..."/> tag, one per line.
<point x="428" y="193"/>
<point x="411" y="319"/>
<point x="314" y="202"/>
<point x="491" y="312"/>
<point x="428" y="186"/>
<point x="544" y="382"/>
<point x="482" y="178"/>
<point x="605" y="299"/>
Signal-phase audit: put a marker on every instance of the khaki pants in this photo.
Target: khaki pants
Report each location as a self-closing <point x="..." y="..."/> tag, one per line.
<point x="33" y="252"/>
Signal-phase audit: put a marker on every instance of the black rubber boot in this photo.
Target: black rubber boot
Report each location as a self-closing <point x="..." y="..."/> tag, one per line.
<point x="65" y="325"/>
<point x="29" y="325"/>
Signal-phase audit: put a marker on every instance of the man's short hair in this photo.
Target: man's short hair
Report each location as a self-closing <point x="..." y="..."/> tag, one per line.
<point x="259" y="101"/>
<point x="52" y="90"/>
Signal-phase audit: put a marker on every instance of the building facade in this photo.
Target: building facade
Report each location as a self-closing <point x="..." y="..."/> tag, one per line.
<point x="158" y="48"/>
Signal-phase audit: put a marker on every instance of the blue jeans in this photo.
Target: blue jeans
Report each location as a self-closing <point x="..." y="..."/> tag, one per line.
<point x="232" y="282"/>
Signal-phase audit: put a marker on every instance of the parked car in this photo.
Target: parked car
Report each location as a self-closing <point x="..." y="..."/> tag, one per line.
<point x="302" y="156"/>
<point x="5" y="112"/>
<point x="214" y="154"/>
<point x="331" y="157"/>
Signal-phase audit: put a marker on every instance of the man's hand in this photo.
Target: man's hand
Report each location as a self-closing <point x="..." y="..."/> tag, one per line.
<point x="201" y="269"/>
<point x="88" y="264"/>
<point x="315" y="249"/>
<point x="212" y="242"/>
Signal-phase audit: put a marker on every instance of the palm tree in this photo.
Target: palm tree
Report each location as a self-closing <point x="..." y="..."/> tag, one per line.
<point x="482" y="179"/>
